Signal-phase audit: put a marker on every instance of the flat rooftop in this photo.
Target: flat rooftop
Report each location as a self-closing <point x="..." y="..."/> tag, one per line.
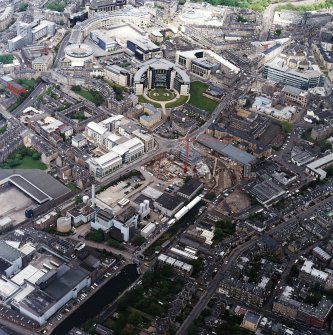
<point x="60" y="286"/>
<point x="35" y="183"/>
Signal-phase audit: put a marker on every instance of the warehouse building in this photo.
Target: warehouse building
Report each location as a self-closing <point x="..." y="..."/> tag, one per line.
<point x="189" y="190"/>
<point x="52" y="291"/>
<point x="168" y="204"/>
<point x="10" y="259"/>
<point x="34" y="183"/>
<point x="317" y="167"/>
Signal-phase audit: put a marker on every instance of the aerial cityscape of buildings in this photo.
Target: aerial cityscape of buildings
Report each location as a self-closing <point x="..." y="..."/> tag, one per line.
<point x="166" y="167"/>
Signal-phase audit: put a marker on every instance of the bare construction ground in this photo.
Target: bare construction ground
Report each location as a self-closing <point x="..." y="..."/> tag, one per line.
<point x="235" y="203"/>
<point x="14" y="203"/>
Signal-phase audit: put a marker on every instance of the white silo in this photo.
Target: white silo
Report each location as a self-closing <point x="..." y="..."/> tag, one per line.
<point x="142" y="208"/>
<point x="64" y="224"/>
<point x="146" y="202"/>
<point x="85" y="199"/>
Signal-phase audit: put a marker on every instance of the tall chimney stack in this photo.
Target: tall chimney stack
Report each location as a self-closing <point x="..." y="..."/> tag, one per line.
<point x="93" y="195"/>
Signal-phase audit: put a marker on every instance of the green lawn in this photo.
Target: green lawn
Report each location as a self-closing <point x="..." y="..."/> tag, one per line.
<point x="198" y="100"/>
<point x="72" y="187"/>
<point x="6" y="59"/>
<point x="142" y="99"/>
<point x="181" y="101"/>
<point x="161" y="94"/>
<point x="93" y="96"/>
<point x="30" y="163"/>
<point x="28" y="84"/>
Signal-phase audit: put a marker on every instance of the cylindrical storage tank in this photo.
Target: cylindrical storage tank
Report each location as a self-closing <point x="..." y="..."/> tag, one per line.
<point x="146" y="202"/>
<point x="85" y="199"/>
<point x="142" y="207"/>
<point x="64" y="224"/>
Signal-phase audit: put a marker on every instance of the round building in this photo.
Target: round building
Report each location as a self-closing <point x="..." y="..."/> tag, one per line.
<point x="78" y="54"/>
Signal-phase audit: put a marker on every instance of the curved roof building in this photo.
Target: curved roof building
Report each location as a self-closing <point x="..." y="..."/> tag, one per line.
<point x="159" y="72"/>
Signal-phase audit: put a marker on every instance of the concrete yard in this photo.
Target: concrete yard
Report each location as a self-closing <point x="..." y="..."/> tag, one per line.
<point x="14" y="203"/>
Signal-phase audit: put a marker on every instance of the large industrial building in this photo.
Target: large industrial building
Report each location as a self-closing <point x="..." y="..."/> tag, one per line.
<point x="317" y="167"/>
<point x="160" y="72"/>
<point x="52" y="291"/>
<point x="34" y="183"/>
<point x="121" y="226"/>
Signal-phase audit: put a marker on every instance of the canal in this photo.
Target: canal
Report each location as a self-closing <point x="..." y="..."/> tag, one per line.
<point x="95" y="304"/>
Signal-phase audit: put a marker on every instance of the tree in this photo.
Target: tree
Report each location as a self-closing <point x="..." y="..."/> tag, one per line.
<point x="76" y="88"/>
<point x="78" y="199"/>
<point x="148" y="279"/>
<point x="96" y="235"/>
<point x="138" y="240"/>
<point x="286" y="127"/>
<point x="278" y="32"/>
<point x="218" y="234"/>
<point x="23" y="7"/>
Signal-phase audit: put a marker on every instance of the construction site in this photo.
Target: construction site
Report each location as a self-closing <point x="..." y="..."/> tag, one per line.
<point x="218" y="173"/>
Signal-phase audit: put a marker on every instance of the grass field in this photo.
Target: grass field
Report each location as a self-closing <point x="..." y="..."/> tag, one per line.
<point x="142" y="99"/>
<point x="91" y="96"/>
<point x="28" y="84"/>
<point x="161" y="94"/>
<point x="30" y="163"/>
<point x="182" y="99"/>
<point x="198" y="100"/>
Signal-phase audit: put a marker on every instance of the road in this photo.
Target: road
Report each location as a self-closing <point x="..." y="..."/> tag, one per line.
<point x="214" y="284"/>
<point x="61" y="49"/>
<point x="28" y="101"/>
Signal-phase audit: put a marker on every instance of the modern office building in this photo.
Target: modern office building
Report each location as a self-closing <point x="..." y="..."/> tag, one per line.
<point x="294" y="68"/>
<point x="102" y="40"/>
<point x="105" y="165"/>
<point x="129" y="150"/>
<point x="203" y="63"/>
<point x="29" y="33"/>
<point x="144" y="49"/>
<point x="159" y="72"/>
